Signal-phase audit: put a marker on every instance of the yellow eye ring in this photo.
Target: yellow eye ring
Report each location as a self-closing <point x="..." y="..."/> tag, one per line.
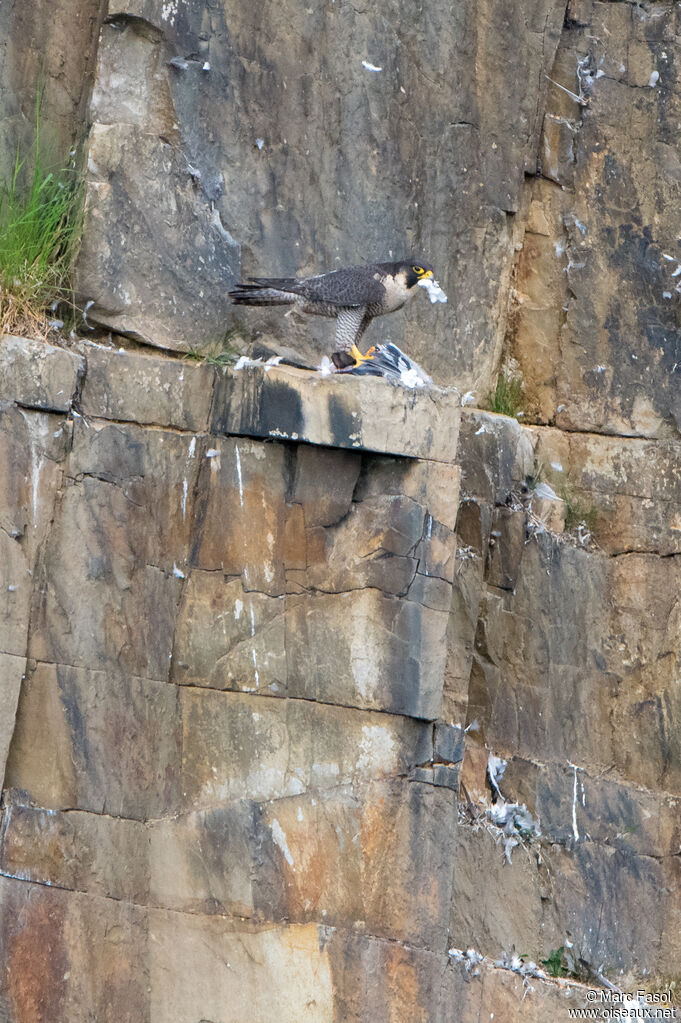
<point x="418" y="269"/>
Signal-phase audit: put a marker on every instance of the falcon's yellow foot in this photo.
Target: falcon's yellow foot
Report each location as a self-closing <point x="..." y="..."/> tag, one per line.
<point x="358" y="357"/>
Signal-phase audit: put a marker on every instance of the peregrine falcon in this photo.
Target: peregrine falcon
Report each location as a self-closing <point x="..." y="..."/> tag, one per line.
<point x="353" y="296"/>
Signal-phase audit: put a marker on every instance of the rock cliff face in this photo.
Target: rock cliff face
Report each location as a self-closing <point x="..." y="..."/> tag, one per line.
<point x="266" y="146"/>
<point x="260" y="630"/>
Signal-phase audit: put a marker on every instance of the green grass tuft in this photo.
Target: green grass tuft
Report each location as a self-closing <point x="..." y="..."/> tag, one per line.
<point x="40" y="226"/>
<point x="219" y="353"/>
<point x="507" y="397"/>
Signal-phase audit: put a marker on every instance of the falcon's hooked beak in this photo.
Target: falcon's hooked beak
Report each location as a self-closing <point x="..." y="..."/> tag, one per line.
<point x="426" y="274"/>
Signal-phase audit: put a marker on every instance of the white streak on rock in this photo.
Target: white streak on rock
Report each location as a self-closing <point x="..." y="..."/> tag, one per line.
<point x="185" y="482"/>
<point x="575" y="830"/>
<point x="37" y="462"/>
<point x="238" y="475"/>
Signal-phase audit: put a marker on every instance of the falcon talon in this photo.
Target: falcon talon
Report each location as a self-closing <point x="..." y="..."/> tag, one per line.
<point x="352" y="296"/>
<point x="359" y="358"/>
<point x="391" y="364"/>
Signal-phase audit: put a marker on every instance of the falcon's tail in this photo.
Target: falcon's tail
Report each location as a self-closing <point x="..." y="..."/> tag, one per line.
<point x="264" y="291"/>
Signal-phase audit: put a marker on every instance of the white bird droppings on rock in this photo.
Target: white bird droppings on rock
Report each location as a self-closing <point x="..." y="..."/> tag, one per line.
<point x="279" y="838"/>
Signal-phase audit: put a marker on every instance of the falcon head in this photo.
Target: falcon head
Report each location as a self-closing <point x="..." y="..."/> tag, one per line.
<point x="416" y="271"/>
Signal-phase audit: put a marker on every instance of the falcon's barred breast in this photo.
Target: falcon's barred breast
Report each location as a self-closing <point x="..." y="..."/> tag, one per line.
<point x="353" y="296"/>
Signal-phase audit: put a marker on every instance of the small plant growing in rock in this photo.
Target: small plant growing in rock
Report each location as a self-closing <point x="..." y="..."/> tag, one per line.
<point x="566" y="962"/>
<point x="40" y="222"/>
<point x="577" y="512"/>
<point x="556" y="964"/>
<point x="218" y="353"/>
<point x="507" y="397"/>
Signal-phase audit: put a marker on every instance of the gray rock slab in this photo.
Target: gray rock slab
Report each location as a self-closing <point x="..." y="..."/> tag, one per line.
<point x="12" y="670"/>
<point x="495" y="454"/>
<point x="359" y="413"/>
<point x="37" y="374"/>
<point x="143" y="389"/>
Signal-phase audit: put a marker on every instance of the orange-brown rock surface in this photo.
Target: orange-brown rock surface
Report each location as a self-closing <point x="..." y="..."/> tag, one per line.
<point x="261" y="630"/>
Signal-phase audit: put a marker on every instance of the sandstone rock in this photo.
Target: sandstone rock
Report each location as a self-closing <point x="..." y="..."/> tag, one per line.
<point x="507" y="910"/>
<point x="382" y="980"/>
<point x="568" y="799"/>
<point x="121" y="534"/>
<point x="244" y="483"/>
<point x="244" y="746"/>
<point x="549" y="509"/>
<point x="229" y="638"/>
<point x="209" y="802"/>
<point x="382" y="859"/>
<point x="557" y="156"/>
<point x="91" y="741"/>
<point x="597" y="330"/>
<point x="38" y="375"/>
<point x="31" y="447"/>
<point x="448" y="743"/>
<point x="122" y="275"/>
<point x="277" y="973"/>
<point x="12" y="670"/>
<point x="635" y="916"/>
<point x="46" y="931"/>
<point x="352" y="611"/>
<point x="258" y="633"/>
<point x="143" y="954"/>
<point x="97" y="854"/>
<point x="366" y="649"/>
<point x="461" y="629"/>
<point x="495" y="453"/>
<point x="590" y="826"/>
<point x="325" y="484"/>
<point x="292" y="973"/>
<point x="629" y="489"/>
<point x="334" y="857"/>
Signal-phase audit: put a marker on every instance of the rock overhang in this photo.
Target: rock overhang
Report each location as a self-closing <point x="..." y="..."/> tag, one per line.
<point x="360" y="414"/>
